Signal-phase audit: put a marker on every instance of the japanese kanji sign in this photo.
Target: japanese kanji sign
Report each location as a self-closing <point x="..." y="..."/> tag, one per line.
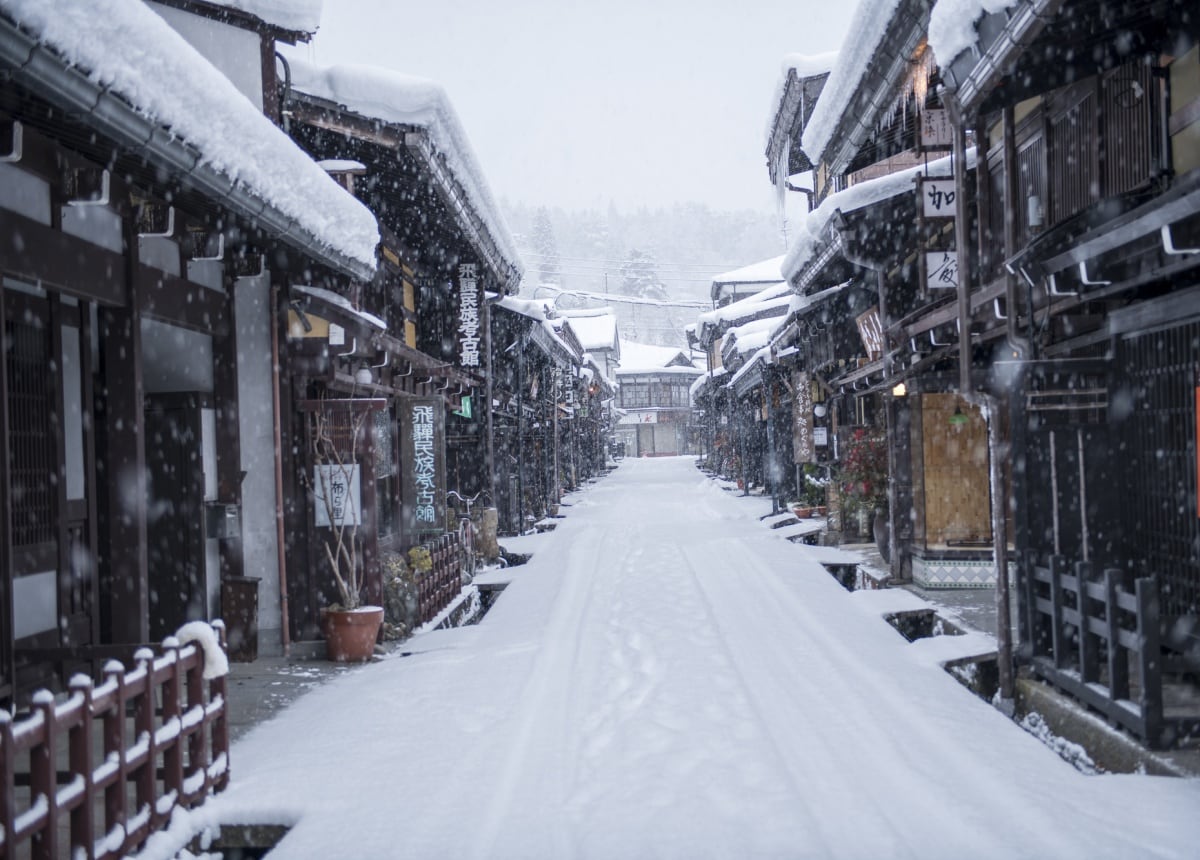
<point x="467" y="330"/>
<point x="342" y="485"/>
<point x="936" y="130"/>
<point x="803" y="444"/>
<point x="423" y="464"/>
<point x="941" y="270"/>
<point x="938" y="198"/>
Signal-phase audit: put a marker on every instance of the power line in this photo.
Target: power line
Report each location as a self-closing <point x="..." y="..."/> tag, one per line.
<point x="717" y="267"/>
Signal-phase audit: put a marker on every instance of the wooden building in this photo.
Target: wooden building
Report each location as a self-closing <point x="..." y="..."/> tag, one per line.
<point x="139" y="242"/>
<point x="412" y="342"/>
<point x="1088" y="202"/>
<point x="653" y="396"/>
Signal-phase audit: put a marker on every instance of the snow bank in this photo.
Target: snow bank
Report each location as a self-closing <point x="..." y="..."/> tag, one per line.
<point x="125" y="47"/>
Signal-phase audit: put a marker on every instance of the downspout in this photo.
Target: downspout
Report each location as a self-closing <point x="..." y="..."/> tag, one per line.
<point x="990" y="404"/>
<point x="278" y="463"/>
<point x="489" y="394"/>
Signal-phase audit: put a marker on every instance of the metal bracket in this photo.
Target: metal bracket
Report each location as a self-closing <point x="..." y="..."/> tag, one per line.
<point x="1169" y="243"/>
<point x="1088" y="282"/>
<point x="1053" y="289"/>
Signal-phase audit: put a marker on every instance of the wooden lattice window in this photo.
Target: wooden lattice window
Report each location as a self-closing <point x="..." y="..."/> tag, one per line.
<point x="31" y="430"/>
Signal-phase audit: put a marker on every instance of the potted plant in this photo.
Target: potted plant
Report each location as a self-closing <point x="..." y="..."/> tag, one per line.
<point x="863" y="481"/>
<point x="350" y="627"/>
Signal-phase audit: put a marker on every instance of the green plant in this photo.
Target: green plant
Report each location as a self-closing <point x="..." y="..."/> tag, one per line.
<point x="863" y="475"/>
<point x="420" y="560"/>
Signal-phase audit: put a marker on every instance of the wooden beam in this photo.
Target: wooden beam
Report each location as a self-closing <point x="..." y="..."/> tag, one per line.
<point x="181" y="302"/>
<point x="35" y="252"/>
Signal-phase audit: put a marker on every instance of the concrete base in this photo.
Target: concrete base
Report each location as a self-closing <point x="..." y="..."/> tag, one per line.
<point x="1111" y="749"/>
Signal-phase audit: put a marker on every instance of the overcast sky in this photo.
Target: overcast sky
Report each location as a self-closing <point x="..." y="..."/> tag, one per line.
<point x="638" y="102"/>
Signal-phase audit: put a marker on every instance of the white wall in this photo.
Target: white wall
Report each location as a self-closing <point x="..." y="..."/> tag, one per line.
<point x="256" y="424"/>
<point x="236" y="52"/>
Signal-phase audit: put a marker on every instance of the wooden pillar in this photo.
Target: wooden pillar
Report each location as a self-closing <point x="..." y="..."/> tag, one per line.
<point x="124" y="478"/>
<point x="228" y="441"/>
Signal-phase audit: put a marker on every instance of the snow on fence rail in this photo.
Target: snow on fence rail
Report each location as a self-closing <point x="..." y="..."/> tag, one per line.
<point x="129" y="750"/>
<point x="437" y="587"/>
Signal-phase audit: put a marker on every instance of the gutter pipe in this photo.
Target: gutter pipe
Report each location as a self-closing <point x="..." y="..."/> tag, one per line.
<point x="43" y="73"/>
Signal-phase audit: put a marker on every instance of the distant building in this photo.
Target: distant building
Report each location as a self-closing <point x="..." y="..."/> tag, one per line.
<point x="654" y="397"/>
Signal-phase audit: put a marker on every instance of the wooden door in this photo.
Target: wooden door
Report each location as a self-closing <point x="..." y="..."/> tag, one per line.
<point x="174" y="513"/>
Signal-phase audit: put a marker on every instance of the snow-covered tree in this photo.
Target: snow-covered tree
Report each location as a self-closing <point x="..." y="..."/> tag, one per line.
<point x="545" y="248"/>
<point x="639" y="276"/>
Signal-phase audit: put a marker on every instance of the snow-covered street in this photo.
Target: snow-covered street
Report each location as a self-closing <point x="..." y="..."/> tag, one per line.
<point x="667" y="678"/>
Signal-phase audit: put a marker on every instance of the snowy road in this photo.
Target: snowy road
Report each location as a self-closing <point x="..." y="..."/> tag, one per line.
<point x="666" y="678"/>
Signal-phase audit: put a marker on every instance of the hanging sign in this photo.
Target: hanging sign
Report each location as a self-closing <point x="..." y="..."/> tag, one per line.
<point x="938" y="198"/>
<point x="423" y="464"/>
<point x="803" y="443"/>
<point x="941" y="270"/>
<point x="470" y="298"/>
<point x="338" y="495"/>
<point x="870" y="329"/>
<point x="937" y="132"/>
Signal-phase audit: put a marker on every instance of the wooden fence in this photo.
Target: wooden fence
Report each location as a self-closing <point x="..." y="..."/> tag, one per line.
<point x="439" y="586"/>
<point x="127" y="752"/>
<point x="1095" y="634"/>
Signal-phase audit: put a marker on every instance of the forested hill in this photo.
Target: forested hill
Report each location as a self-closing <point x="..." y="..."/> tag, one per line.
<point x="655" y="253"/>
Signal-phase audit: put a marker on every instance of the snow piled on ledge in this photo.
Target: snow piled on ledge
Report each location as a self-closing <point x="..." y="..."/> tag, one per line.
<point x="299" y="16"/>
<point x="124" y="46"/>
<point x="952" y="25"/>
<point x="402" y="99"/>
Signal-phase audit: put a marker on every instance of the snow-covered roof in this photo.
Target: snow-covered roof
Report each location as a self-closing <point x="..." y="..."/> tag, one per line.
<point x="643" y="358"/>
<point x="952" y="25"/>
<point x="540" y="313"/>
<point x="762" y="272"/>
<point x="775" y="296"/>
<point x="297" y="16"/>
<point x="407" y="100"/>
<point x="753" y="335"/>
<point x="596" y="327"/>
<point x="132" y="52"/>
<point x="761" y="355"/>
<point x="716" y="377"/>
<point x="867" y="30"/>
<point x="795" y="67"/>
<point x="342" y="303"/>
<point x="856" y="197"/>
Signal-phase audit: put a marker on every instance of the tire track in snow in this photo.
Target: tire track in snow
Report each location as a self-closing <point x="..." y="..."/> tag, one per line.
<point x="913" y="788"/>
<point x="540" y="735"/>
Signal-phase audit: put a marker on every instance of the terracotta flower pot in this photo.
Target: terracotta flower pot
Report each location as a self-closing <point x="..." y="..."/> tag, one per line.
<point x="350" y="633"/>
